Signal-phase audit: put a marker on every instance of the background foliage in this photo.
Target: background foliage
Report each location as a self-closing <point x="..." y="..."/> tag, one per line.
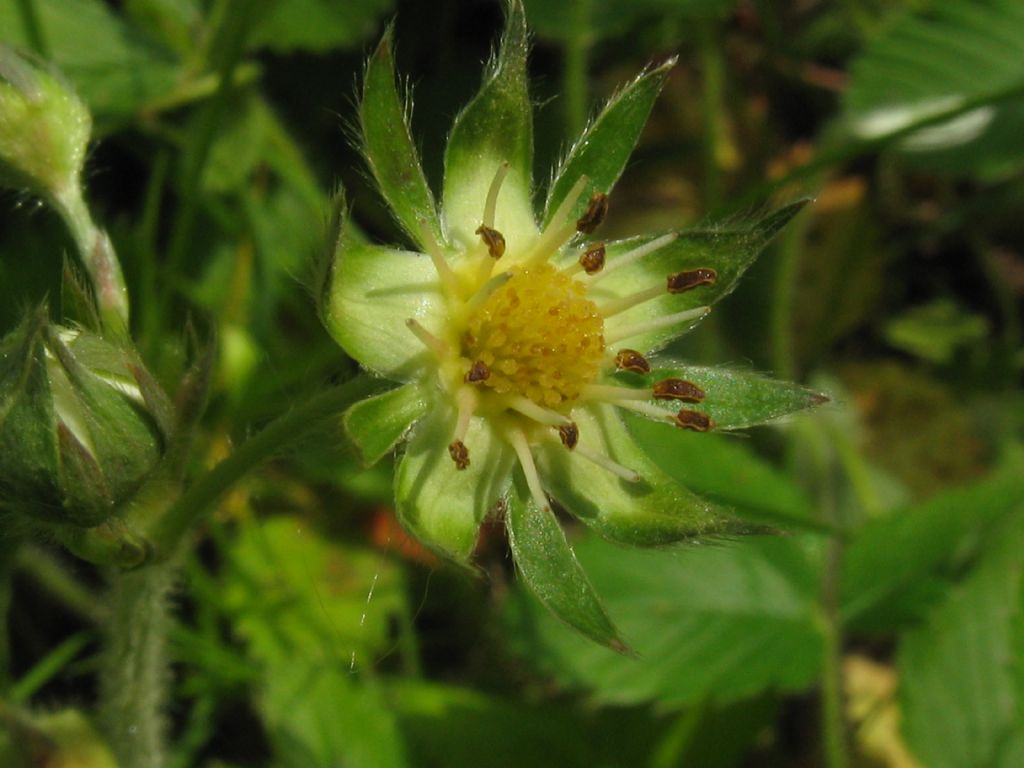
<point x="885" y="628"/>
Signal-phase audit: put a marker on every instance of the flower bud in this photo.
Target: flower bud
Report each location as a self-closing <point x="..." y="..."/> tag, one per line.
<point x="64" y="739"/>
<point x="44" y="128"/>
<point x="81" y="423"/>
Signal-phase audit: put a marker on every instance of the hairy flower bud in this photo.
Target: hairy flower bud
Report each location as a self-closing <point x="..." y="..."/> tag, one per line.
<point x="44" y="128"/>
<point x="81" y="423"/>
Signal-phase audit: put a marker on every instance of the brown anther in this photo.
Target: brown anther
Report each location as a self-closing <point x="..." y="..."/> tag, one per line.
<point x="459" y="453"/>
<point x="570" y="435"/>
<point x="592" y="259"/>
<point x="695" y="420"/>
<point x="678" y="389"/>
<point x="597" y="208"/>
<point x="684" y="281"/>
<point x="477" y="372"/>
<point x="493" y="239"/>
<point x="631" y="360"/>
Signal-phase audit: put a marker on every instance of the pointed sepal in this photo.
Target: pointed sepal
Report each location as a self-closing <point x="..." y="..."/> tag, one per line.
<point x="548" y="567"/>
<point x="376" y="424"/>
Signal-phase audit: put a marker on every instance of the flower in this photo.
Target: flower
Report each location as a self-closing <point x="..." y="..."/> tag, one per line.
<point x="519" y="343"/>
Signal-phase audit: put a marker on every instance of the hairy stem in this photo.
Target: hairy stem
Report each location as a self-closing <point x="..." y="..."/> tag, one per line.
<point x="134" y="677"/>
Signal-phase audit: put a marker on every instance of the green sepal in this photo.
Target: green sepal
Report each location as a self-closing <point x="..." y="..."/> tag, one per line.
<point x="367" y="292"/>
<point x="112" y="543"/>
<point x="377" y="423"/>
<point x="652" y="512"/>
<point x="77" y="303"/>
<point x="549" y="568"/>
<point x="601" y="152"/>
<point x="729" y="249"/>
<point x="124" y="439"/>
<point x="389" y="149"/>
<point x="439" y="504"/>
<point x="495" y="127"/>
<point x="735" y="399"/>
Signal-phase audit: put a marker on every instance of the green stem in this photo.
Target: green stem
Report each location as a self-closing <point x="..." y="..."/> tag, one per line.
<point x="134" y="677"/>
<point x="713" y="71"/>
<point x="98" y="257"/>
<point x="785" y="299"/>
<point x="32" y="28"/>
<point x="169" y="530"/>
<point x="832" y="701"/>
<point x="8" y="553"/>
<point x="574" y="73"/>
<point x="229" y="47"/>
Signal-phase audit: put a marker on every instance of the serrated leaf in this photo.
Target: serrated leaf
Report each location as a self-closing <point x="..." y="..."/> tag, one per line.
<point x="716" y="623"/>
<point x="389" y="149"/>
<point x="377" y="423"/>
<point x="602" y="151"/>
<point x="957" y="58"/>
<point x="902" y="550"/>
<point x="495" y="127"/>
<point x="116" y="72"/>
<point x="734" y="399"/>
<point x="547" y="566"/>
<point x="959" y="699"/>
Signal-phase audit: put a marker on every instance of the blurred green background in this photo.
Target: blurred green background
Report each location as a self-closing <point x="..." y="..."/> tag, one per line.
<point x="313" y="633"/>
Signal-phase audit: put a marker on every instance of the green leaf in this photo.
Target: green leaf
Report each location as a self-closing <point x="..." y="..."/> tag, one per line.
<point x="377" y="423"/>
<point x="717" y="623"/>
<point x="728" y="248"/>
<point x="935" y="331"/>
<point x="495" y="127"/>
<point x="367" y="294"/>
<point x="735" y="399"/>
<point x="115" y="68"/>
<point x="961" y="58"/>
<point x="959" y="700"/>
<point x="616" y="18"/>
<point x="317" y="26"/>
<point x="505" y="732"/>
<point x="548" y="567"/>
<point x="389" y="149"/>
<point x="726" y="472"/>
<point x="301" y="604"/>
<point x="653" y="511"/>
<point x="439" y="504"/>
<point x="901" y="551"/>
<point x="605" y="146"/>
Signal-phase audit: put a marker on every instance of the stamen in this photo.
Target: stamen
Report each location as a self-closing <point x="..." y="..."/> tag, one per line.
<point x="678" y="389"/>
<point x="636" y="254"/>
<point x="569" y="435"/>
<point x="695" y="420"/>
<point x="522" y="449"/>
<point x="493" y="239"/>
<point x="491" y="203"/>
<point x="594" y="457"/>
<point x="459" y="454"/>
<point x="478" y="372"/>
<point x="590" y="261"/>
<point x="486" y="290"/>
<point x="685" y="281"/>
<point x="650" y="410"/>
<point x="591" y="219"/>
<point x="654" y="324"/>
<point x="631" y="360"/>
<point x="531" y="410"/>
<point x="609" y="393"/>
<point x="561" y="228"/>
<point x="466" y="401"/>
<point x="677" y="283"/>
<point x="444" y="272"/>
<point x="430" y="341"/>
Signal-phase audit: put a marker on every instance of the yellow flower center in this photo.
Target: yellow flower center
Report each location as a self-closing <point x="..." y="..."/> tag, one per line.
<point x="539" y="336"/>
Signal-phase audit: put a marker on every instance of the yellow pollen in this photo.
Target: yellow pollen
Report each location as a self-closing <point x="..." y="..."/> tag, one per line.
<point x="539" y="336"/>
